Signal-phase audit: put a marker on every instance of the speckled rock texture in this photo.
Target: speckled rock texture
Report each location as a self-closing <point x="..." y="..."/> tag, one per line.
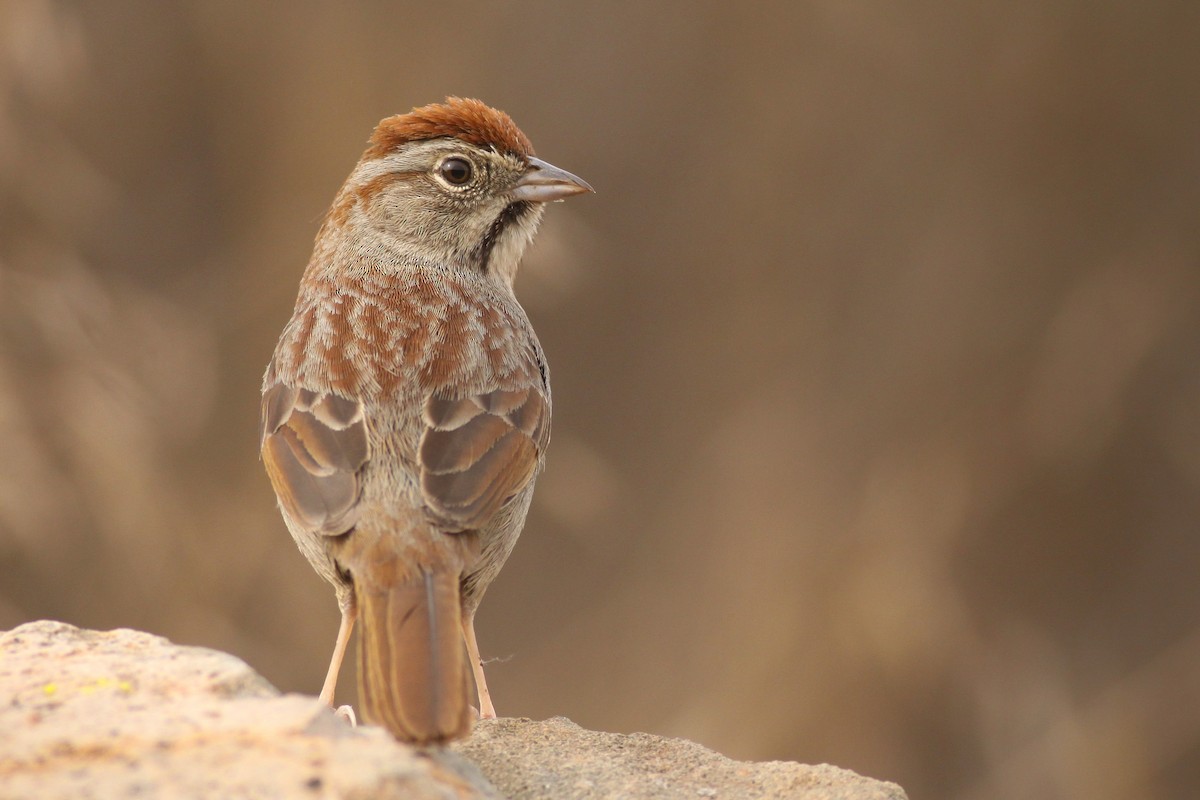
<point x="124" y="714"/>
<point x="127" y="714"/>
<point x="556" y="758"/>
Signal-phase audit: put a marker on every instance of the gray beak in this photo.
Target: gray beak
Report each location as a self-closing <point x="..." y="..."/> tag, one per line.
<point x="544" y="182"/>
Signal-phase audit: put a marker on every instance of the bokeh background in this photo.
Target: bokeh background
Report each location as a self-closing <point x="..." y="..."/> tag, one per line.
<point x="876" y="360"/>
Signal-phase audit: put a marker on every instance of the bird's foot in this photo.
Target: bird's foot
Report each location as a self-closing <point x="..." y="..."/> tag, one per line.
<point x="347" y="713"/>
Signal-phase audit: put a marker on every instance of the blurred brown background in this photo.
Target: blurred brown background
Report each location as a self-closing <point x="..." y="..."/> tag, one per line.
<point x="875" y="360"/>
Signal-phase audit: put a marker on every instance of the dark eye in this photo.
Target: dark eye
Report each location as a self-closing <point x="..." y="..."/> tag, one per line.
<point x="456" y="171"/>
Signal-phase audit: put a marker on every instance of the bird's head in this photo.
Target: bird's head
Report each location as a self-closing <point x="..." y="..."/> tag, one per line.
<point x="455" y="183"/>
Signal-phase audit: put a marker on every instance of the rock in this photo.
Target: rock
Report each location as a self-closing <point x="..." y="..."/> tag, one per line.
<point x="126" y="714"/>
<point x="525" y="759"/>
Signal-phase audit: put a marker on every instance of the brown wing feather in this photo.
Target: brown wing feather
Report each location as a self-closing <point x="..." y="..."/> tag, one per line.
<point x="478" y="452"/>
<point x="314" y="447"/>
<point x="457" y="450"/>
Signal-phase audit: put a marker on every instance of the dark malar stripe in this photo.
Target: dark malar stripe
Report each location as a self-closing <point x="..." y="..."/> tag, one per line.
<point x="511" y="213"/>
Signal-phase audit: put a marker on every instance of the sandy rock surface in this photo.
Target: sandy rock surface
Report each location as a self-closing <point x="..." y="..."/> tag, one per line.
<point x="88" y="714"/>
<point x="556" y="758"/>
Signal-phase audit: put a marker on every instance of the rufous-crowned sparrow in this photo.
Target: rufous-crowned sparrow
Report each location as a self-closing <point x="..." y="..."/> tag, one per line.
<point x="406" y="410"/>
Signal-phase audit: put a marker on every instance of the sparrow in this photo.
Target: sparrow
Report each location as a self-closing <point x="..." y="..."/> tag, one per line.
<point x="406" y="409"/>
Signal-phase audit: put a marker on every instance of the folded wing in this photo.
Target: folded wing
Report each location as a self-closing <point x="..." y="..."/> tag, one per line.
<point x="478" y="452"/>
<point x="314" y="446"/>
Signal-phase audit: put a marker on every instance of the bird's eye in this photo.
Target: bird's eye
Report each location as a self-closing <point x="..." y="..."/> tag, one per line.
<point x="456" y="171"/>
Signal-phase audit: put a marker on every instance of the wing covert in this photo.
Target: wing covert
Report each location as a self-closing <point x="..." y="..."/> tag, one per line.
<point x="314" y="446"/>
<point x="479" y="451"/>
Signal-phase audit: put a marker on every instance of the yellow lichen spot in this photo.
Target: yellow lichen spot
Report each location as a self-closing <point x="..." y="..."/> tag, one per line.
<point x="49" y="689"/>
<point x="96" y="685"/>
<point x="125" y="687"/>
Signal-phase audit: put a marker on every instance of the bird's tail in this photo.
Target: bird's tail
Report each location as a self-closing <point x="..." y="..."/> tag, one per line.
<point x="412" y="674"/>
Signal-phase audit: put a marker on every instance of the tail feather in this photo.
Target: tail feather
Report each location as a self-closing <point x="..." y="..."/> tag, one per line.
<point x="412" y="675"/>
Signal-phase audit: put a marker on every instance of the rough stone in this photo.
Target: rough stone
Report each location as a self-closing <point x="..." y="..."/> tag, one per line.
<point x="556" y="758"/>
<point x="124" y="714"/>
<point x="128" y="714"/>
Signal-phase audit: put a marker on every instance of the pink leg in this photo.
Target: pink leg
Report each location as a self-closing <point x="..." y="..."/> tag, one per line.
<point x="486" y="709"/>
<point x="339" y="652"/>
